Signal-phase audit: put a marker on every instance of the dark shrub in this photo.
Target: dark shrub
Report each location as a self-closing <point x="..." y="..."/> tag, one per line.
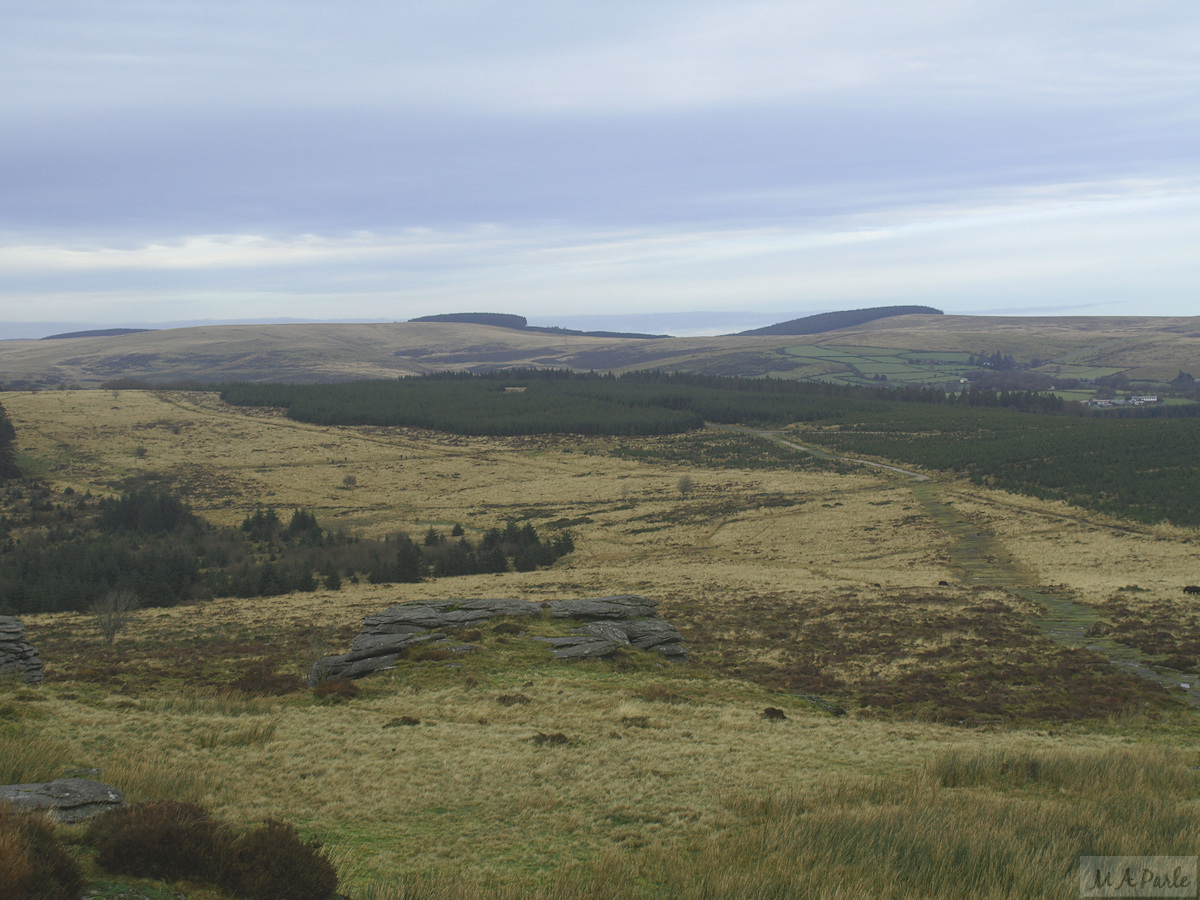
<point x="33" y="865"/>
<point x="273" y="863"/>
<point x="163" y="839"/>
<point x="336" y="689"/>
<point x="1180" y="663"/>
<point x="259" y="680"/>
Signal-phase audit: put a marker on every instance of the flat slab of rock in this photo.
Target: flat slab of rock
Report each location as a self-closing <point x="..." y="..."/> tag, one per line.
<point x="368" y="645"/>
<point x="67" y="800"/>
<point x="580" y="646"/>
<point x="621" y="606"/>
<point x="16" y="653"/>
<point x="647" y="633"/>
<point x="602" y="638"/>
<point x="617" y="622"/>
<point x="444" y="614"/>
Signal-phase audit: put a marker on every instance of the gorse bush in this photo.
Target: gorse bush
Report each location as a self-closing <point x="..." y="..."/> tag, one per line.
<point x="175" y="841"/>
<point x="273" y="863"/>
<point x="164" y="839"/>
<point x="33" y="864"/>
<point x="336" y="689"/>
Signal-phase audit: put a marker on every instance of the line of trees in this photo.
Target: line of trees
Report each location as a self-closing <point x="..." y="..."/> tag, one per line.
<point x="150" y="544"/>
<point x="8" y="447"/>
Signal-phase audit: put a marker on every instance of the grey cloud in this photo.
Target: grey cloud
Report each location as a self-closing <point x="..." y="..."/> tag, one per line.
<point x="128" y="123"/>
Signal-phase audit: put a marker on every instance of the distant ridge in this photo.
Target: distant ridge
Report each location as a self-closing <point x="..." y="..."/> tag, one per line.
<point x="831" y="321"/>
<point x="520" y="323"/>
<point x="496" y="320"/>
<point x="99" y="332"/>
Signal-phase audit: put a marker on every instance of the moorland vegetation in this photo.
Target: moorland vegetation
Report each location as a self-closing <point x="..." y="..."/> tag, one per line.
<point x="972" y="759"/>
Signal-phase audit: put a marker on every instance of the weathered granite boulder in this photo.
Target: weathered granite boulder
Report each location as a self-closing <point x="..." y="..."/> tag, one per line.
<point x="622" y="606"/>
<point x="647" y="633"/>
<point x="603" y="638"/>
<point x="444" y="614"/>
<point x="66" y="800"/>
<point x="16" y="653"/>
<point x="369" y="653"/>
<point x="619" y="621"/>
<point x="593" y="639"/>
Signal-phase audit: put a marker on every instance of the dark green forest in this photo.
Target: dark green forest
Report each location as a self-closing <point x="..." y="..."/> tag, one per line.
<point x="517" y="402"/>
<point x="63" y="552"/>
<point x="1146" y="468"/>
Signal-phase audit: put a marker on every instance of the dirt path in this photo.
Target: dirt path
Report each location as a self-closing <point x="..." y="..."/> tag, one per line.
<point x="774" y="436"/>
<point x="981" y="559"/>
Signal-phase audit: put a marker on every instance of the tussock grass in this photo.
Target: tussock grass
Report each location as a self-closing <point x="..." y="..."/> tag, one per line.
<point x="27" y="757"/>
<point x="252" y="735"/>
<point x="915" y="837"/>
<point x="156" y="774"/>
<point x="225" y="704"/>
<point x="906" y="837"/>
<point x="1144" y="771"/>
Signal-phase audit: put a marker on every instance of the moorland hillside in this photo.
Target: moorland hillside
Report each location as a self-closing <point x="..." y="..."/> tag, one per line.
<point x="909" y="349"/>
<point x="927" y="673"/>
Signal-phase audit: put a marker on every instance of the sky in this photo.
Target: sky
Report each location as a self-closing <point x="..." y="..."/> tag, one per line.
<point x="704" y="165"/>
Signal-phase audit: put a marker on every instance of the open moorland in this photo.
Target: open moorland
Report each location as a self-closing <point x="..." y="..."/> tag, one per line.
<point x="906" y="349"/>
<point x="979" y="687"/>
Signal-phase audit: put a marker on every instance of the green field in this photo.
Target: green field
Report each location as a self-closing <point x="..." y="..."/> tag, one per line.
<point x="864" y="365"/>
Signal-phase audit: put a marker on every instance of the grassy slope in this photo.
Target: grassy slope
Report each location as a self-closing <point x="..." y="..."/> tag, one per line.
<point x="671" y="784"/>
<point x="1155" y="348"/>
<point x="1145" y="347"/>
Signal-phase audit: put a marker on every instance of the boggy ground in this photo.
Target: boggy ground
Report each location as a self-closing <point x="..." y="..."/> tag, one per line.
<point x="788" y="576"/>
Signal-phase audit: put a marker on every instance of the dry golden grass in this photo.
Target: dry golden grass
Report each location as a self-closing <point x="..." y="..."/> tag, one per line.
<point x="670" y="782"/>
<point x="467" y="792"/>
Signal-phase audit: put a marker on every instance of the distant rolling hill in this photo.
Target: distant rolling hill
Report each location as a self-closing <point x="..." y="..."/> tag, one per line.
<point x="912" y="349"/>
<point x="506" y="320"/>
<point x="834" y="321"/>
